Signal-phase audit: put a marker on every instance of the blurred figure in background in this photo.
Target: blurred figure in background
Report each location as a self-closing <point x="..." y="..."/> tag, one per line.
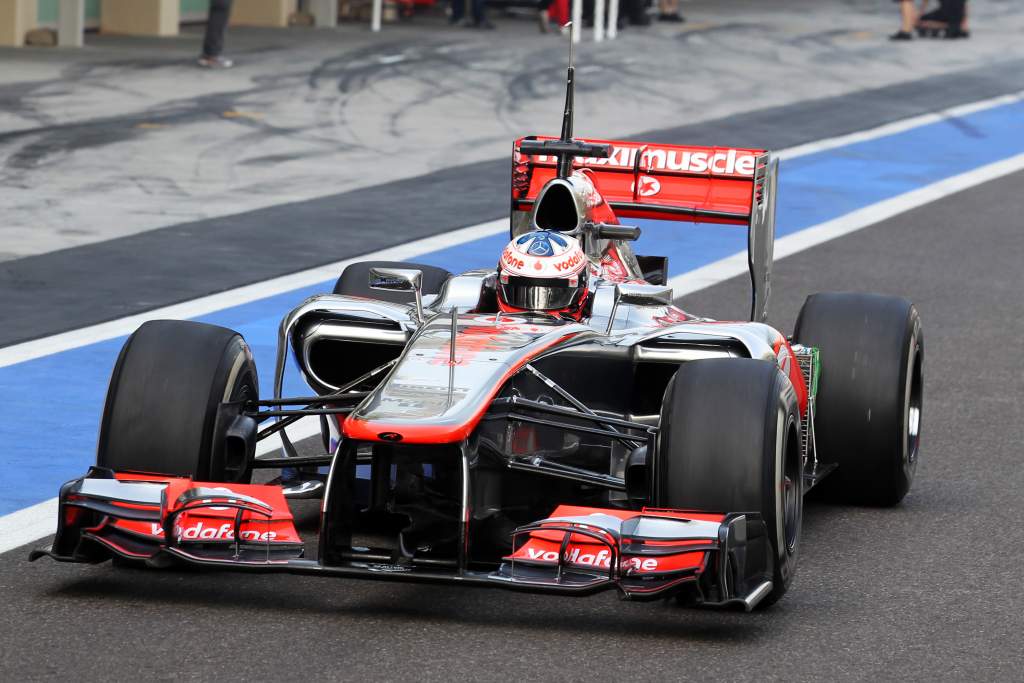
<point x="635" y="11"/>
<point x="477" y="9"/>
<point x="543" y="16"/>
<point x="908" y="17"/>
<point x="631" y="12"/>
<point x="213" y="42"/>
<point x="668" y="10"/>
<point x="950" y="20"/>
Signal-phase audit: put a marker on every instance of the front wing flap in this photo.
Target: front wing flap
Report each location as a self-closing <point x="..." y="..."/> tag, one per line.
<point x="723" y="558"/>
<point x="157" y="519"/>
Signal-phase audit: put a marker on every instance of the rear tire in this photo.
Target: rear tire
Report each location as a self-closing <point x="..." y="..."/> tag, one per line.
<point x="868" y="406"/>
<point x="355" y="281"/>
<point x="729" y="442"/>
<point x="163" y="409"/>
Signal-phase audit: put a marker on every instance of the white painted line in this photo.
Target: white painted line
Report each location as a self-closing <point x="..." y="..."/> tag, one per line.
<point x="39" y="521"/>
<point x="302" y="429"/>
<point x="900" y="126"/>
<point x="736" y="264"/>
<point x="65" y="341"/>
<point x="30" y="524"/>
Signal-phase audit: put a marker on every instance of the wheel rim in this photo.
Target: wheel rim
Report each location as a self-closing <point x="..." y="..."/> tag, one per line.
<point x="242" y="384"/>
<point x="912" y="410"/>
<point x="792" y="496"/>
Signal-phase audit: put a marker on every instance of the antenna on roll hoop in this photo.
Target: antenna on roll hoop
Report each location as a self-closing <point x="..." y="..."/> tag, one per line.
<point x="565" y="160"/>
<point x="565" y="148"/>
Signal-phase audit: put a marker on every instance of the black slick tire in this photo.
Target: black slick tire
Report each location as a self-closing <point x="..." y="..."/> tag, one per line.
<point x="729" y="442"/>
<point x="869" y="401"/>
<point x="163" y="412"/>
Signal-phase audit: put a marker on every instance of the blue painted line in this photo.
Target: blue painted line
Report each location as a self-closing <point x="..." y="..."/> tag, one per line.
<point x="51" y="406"/>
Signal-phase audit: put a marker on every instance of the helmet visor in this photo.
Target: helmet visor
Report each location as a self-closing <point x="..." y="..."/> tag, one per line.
<point x="539" y="295"/>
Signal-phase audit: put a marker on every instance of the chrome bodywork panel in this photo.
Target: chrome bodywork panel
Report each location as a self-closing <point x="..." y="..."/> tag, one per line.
<point x="464" y="291"/>
<point x="427" y="388"/>
<point x="450" y="365"/>
<point x="638" y="326"/>
<point x="355" y="318"/>
<point x="756" y="338"/>
<point x="452" y="368"/>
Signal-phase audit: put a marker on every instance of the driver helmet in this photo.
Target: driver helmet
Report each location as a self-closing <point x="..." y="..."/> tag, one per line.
<point x="543" y="270"/>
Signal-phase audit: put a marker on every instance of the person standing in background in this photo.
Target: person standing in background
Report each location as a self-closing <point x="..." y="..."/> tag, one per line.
<point x="478" y="12"/>
<point x="213" y="42"/>
<point x="950" y="20"/>
<point x="543" y="16"/>
<point x="956" y="19"/>
<point x="908" y="17"/>
<point x="668" y="10"/>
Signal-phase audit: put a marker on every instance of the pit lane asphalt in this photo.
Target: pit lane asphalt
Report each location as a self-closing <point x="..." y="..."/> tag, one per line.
<point x="924" y="591"/>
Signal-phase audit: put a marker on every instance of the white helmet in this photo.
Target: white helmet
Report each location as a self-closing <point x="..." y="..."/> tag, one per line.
<point x="543" y="270"/>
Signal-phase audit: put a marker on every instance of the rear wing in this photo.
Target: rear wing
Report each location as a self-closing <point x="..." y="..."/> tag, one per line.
<point x="723" y="185"/>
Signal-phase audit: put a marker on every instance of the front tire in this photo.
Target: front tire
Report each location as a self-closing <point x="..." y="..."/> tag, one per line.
<point x="729" y="442"/>
<point x="869" y="401"/>
<point x="163" y="411"/>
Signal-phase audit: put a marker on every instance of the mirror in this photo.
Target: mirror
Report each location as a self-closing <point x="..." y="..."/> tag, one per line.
<point x="643" y="295"/>
<point x="400" y="280"/>
<point x="396" y="279"/>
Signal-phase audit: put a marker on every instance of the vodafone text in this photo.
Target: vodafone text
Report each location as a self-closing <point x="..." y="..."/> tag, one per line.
<point x="224" y="532"/>
<point x="570" y="263"/>
<point x="600" y="559"/>
<point x="510" y="259"/>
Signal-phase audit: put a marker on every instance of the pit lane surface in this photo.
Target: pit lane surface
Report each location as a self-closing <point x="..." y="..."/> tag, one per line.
<point x="927" y="590"/>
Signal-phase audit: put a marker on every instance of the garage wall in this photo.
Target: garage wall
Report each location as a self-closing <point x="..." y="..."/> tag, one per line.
<point x="48" y="10"/>
<point x="191" y="10"/>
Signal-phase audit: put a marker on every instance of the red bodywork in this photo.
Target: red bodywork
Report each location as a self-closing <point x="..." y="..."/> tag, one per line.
<point x="543" y="547"/>
<point x="645" y="180"/>
<point x="209" y="524"/>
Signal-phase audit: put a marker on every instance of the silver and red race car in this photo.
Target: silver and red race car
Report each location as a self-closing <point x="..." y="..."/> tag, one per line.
<point x="615" y="441"/>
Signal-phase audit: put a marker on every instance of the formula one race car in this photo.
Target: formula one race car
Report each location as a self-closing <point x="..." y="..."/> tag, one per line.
<point x="554" y="424"/>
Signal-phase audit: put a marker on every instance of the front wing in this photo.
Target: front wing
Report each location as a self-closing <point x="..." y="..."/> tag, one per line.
<point x="717" y="559"/>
